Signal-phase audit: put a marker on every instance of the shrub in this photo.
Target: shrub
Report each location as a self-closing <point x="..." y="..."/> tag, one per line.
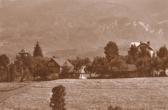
<point x="114" y="108"/>
<point x="57" y="99"/>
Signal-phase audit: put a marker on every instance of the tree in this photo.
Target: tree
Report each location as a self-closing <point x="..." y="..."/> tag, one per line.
<point x="11" y="72"/>
<point x="37" y="51"/>
<point x="4" y="63"/>
<point x="4" y="60"/>
<point x="79" y="62"/>
<point x="143" y="63"/>
<point x="161" y="61"/>
<point x="39" y="68"/>
<point x="111" y="50"/>
<point x="114" y="108"/>
<point x="100" y="66"/>
<point x="163" y="52"/>
<point x="23" y="63"/>
<point x="132" y="54"/>
<point x="57" y="101"/>
<point x="65" y="71"/>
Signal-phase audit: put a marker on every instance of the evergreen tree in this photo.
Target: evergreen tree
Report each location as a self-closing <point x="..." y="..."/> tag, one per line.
<point x="37" y="51"/>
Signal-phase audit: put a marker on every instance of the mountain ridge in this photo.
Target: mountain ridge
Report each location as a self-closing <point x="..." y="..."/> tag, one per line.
<point x="81" y="25"/>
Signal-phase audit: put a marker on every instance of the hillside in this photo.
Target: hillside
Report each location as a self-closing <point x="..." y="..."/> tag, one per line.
<point x="135" y="94"/>
<point x="81" y="25"/>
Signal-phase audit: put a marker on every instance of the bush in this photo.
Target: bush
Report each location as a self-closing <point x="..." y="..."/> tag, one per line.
<point x="114" y="108"/>
<point x="57" y="99"/>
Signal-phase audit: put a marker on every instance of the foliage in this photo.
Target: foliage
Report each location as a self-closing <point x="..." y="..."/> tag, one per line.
<point x="111" y="50"/>
<point x="162" y="52"/>
<point x="4" y="65"/>
<point x="114" y="108"/>
<point x="4" y="60"/>
<point x="99" y="65"/>
<point x="79" y="62"/>
<point x="57" y="101"/>
<point x="102" y="66"/>
<point x="144" y="53"/>
<point x="65" y="71"/>
<point x="144" y="61"/>
<point x="23" y="63"/>
<point x="132" y="54"/>
<point x="11" y="74"/>
<point x="37" y="51"/>
<point x="112" y="64"/>
<point x="39" y="68"/>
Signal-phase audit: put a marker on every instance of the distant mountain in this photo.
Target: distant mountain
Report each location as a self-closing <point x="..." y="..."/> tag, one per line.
<point x="80" y="27"/>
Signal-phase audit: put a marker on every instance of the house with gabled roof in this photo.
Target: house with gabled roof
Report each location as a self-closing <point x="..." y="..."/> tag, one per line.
<point x="56" y="65"/>
<point x="146" y="45"/>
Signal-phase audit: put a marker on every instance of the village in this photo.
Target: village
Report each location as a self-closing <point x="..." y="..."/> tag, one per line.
<point x="141" y="61"/>
<point x="83" y="55"/>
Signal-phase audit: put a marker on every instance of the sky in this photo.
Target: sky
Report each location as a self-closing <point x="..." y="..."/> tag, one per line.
<point x="81" y="25"/>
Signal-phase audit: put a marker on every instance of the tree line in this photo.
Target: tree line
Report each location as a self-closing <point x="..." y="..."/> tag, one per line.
<point x="111" y="65"/>
<point x="24" y="66"/>
<point x="114" y="65"/>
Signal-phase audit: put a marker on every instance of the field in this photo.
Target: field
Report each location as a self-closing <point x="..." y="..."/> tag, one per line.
<point x="134" y="94"/>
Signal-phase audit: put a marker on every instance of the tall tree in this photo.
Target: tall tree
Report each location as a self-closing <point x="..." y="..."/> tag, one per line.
<point x="132" y="54"/>
<point x="144" y="61"/>
<point x="11" y="72"/>
<point x="111" y="50"/>
<point x="162" y="58"/>
<point x="4" y="60"/>
<point x="39" y="68"/>
<point x="163" y="52"/>
<point x="37" y="51"/>
<point x="23" y="63"/>
<point x="4" y="63"/>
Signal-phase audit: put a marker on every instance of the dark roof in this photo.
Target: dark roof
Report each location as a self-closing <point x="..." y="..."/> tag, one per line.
<point x="23" y="51"/>
<point x="144" y="44"/>
<point x="62" y="62"/>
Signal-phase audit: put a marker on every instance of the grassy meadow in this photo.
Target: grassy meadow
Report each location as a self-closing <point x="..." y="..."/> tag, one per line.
<point x="98" y="94"/>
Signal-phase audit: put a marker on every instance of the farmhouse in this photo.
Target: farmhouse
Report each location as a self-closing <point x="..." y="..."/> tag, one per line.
<point x="146" y="45"/>
<point x="55" y="65"/>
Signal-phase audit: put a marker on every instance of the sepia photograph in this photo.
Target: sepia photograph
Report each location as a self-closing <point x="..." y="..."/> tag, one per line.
<point x="83" y="54"/>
